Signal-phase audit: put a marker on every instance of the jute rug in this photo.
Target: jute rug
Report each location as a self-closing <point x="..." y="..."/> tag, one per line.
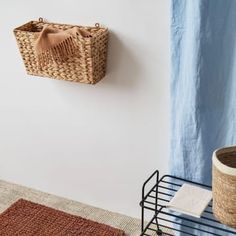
<point x="26" y="218"/>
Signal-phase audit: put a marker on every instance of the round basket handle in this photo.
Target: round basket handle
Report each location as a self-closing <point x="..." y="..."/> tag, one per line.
<point x="41" y="19"/>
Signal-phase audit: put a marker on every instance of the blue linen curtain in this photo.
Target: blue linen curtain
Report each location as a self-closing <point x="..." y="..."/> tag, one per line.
<point x="203" y="84"/>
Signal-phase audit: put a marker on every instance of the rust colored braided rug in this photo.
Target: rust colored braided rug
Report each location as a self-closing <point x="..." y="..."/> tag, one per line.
<point x="25" y="218"/>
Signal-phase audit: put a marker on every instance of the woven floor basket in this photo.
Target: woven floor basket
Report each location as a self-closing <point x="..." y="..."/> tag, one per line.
<point x="224" y="185"/>
<point x="88" y="65"/>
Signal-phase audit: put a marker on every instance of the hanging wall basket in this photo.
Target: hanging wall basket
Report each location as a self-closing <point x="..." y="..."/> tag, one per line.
<point x="224" y="185"/>
<point x="79" y="54"/>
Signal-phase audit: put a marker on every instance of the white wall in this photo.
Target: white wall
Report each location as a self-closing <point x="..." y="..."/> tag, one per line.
<point x="94" y="144"/>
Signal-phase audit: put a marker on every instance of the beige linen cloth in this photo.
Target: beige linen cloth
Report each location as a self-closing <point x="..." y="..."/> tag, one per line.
<point x="54" y="45"/>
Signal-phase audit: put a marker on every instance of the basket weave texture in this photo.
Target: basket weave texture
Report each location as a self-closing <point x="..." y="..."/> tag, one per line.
<point x="87" y="65"/>
<point x="224" y="185"/>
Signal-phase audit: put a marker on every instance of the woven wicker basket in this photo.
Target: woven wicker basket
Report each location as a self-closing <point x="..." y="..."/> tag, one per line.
<point x="224" y="185"/>
<point x="88" y="65"/>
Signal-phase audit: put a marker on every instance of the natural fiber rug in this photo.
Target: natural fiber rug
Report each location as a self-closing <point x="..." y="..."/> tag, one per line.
<point x="25" y="218"/>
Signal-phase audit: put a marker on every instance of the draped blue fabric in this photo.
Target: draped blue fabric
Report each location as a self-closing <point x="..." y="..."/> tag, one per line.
<point x="203" y="84"/>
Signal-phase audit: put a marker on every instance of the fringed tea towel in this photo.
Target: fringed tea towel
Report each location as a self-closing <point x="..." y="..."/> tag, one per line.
<point x="53" y="45"/>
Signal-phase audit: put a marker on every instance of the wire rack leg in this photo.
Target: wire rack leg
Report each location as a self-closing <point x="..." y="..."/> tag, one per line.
<point x="159" y="231"/>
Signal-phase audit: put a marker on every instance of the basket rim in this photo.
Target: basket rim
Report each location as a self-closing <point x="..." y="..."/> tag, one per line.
<point x="219" y="165"/>
<point x="52" y="23"/>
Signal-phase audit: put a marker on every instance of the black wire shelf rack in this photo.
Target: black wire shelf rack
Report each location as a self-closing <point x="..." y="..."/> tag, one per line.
<point x="156" y="193"/>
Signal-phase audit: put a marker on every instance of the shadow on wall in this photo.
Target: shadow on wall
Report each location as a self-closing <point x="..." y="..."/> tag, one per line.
<point x="123" y="68"/>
